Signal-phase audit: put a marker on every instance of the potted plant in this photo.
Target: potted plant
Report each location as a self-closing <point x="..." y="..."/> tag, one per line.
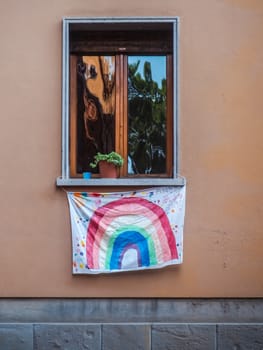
<point x="108" y="164"/>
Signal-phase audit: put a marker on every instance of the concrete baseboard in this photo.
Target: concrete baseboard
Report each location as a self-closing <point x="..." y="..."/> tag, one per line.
<point x="131" y="324"/>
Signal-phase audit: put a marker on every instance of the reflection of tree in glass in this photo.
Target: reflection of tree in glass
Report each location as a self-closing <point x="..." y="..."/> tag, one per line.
<point x="147" y="121"/>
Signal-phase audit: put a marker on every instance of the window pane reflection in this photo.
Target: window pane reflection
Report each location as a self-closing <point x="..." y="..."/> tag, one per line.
<point x="95" y="109"/>
<point x="146" y="114"/>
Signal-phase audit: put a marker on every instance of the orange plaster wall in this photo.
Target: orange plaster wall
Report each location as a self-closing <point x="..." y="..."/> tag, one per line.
<point x="221" y="124"/>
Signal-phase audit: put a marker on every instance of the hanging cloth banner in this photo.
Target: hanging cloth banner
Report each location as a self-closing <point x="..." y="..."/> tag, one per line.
<point x="126" y="231"/>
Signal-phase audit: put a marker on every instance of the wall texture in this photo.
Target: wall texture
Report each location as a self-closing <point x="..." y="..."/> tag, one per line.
<point x="221" y="77"/>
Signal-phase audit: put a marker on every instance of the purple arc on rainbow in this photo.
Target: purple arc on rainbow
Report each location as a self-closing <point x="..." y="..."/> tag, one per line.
<point x="129" y="225"/>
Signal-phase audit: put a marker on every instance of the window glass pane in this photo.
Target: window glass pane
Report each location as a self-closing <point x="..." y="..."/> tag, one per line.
<point x="146" y="114"/>
<point x="95" y="108"/>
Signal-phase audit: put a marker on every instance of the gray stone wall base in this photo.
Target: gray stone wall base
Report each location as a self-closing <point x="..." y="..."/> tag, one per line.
<point x="132" y="324"/>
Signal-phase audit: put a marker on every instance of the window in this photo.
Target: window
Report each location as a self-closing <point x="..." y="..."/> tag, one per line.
<point x="120" y="94"/>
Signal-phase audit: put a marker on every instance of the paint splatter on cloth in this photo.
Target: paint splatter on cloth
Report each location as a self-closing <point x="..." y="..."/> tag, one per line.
<point x="126" y="231"/>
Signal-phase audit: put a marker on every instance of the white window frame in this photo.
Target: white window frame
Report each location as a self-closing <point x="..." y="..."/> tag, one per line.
<point x="65" y="179"/>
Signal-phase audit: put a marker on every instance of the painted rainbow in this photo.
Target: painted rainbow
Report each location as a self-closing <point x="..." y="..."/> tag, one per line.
<point x="129" y="233"/>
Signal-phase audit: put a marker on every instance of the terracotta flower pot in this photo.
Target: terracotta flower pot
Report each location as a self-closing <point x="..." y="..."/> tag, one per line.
<point x="108" y="170"/>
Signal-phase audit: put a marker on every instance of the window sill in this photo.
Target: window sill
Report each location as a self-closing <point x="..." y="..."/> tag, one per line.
<point x="177" y="181"/>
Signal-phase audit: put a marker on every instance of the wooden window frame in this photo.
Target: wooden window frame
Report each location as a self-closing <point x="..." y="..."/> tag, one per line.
<point x="76" y="28"/>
